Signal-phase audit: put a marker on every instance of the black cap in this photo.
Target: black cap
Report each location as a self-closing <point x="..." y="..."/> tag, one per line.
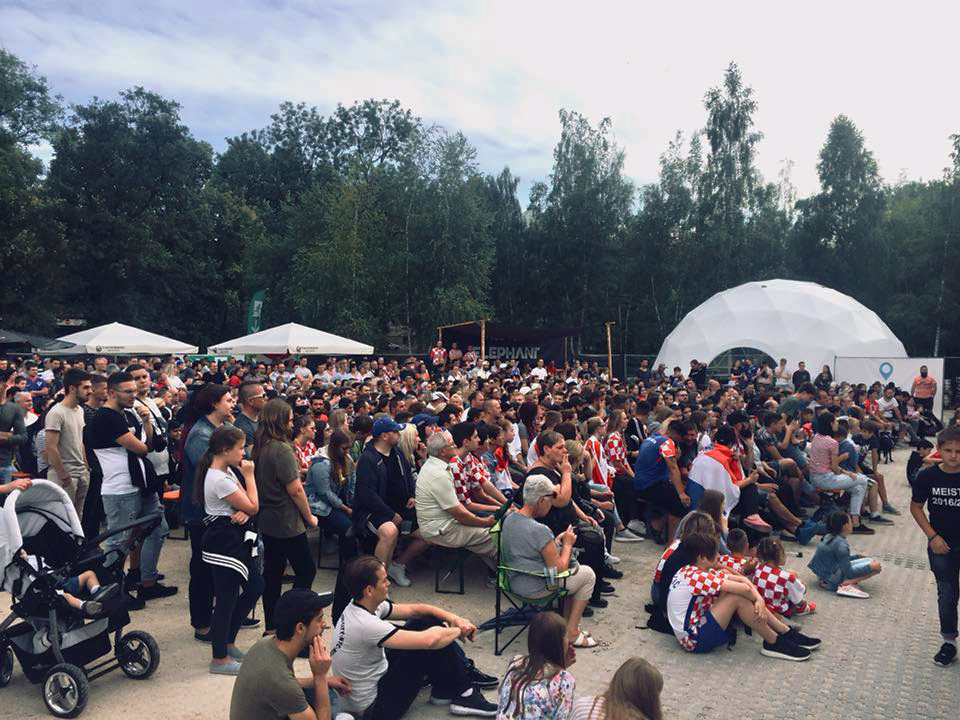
<point x="298" y="606"/>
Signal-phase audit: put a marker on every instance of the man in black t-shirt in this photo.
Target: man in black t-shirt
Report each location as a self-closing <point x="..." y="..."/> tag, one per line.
<point x="938" y="487"/>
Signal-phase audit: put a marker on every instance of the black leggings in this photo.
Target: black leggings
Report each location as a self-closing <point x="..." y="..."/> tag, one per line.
<point x="232" y="605"/>
<point x="200" y="590"/>
<point x="277" y="552"/>
<point x="625" y="497"/>
<point x="749" y="501"/>
<point x="591" y="543"/>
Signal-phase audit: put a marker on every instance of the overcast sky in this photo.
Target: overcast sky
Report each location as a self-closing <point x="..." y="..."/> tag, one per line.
<point x="500" y="71"/>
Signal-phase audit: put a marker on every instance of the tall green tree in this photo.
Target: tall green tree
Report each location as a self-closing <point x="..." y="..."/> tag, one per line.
<point x="30" y="238"/>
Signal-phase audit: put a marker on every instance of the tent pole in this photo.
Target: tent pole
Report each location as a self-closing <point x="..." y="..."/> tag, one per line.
<point x="609" y="354"/>
<point x="483" y="341"/>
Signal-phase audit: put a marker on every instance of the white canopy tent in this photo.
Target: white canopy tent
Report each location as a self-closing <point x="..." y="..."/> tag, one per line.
<point x="784" y="319"/>
<point x="119" y="339"/>
<point x="291" y="338"/>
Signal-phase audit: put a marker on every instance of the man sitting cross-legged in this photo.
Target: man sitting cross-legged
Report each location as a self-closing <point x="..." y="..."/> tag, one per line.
<point x="386" y="664"/>
<point x="703" y="600"/>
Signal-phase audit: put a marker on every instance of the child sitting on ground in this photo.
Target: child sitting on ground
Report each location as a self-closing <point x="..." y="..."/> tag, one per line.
<point x="782" y="590"/>
<point x="703" y="601"/>
<point x="87" y="582"/>
<point x="833" y="564"/>
<point x="738" y="560"/>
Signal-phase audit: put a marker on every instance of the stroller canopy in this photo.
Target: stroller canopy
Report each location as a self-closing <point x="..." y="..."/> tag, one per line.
<point x="50" y="503"/>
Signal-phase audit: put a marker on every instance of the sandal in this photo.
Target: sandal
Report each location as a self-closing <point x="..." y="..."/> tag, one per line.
<point x="584" y="641"/>
<point x="584" y="632"/>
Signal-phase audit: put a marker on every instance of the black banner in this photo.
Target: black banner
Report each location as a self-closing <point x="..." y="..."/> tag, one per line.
<point x="505" y="342"/>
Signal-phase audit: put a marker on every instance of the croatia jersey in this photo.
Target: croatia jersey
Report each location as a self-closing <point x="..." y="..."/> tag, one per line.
<point x="692" y="592"/>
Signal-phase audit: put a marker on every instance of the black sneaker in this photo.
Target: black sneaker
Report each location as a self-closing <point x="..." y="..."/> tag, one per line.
<point x="606" y="588"/>
<point x="879" y="519"/>
<point x="157" y="590"/>
<point x="610" y="573"/>
<point x="135" y="602"/>
<point x="587" y="612"/>
<point x="473" y="704"/>
<point x="947" y="655"/>
<point x="862" y="529"/>
<point x="480" y="679"/>
<point x="597" y="602"/>
<point x="805" y="641"/>
<point x="785" y="650"/>
<point x="202" y="637"/>
<point x="247" y="623"/>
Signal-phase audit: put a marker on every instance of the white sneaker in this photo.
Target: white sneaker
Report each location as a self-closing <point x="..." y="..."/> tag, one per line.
<point x="637" y="527"/>
<point x="626" y="536"/>
<point x="612" y="559"/>
<point x="398" y="573"/>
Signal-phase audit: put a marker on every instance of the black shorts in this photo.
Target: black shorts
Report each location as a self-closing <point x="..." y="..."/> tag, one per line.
<point x="663" y="496"/>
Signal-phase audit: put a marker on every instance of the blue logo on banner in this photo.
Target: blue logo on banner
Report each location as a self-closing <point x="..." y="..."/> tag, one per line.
<point x="886" y="370"/>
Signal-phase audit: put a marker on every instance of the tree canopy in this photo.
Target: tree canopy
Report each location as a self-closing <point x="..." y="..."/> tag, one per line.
<point x="373" y="224"/>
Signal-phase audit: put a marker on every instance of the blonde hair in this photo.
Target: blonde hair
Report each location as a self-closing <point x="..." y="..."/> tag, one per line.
<point x="634" y="692"/>
<point x="575" y="453"/>
<point x="409" y="438"/>
<point x="338" y="420"/>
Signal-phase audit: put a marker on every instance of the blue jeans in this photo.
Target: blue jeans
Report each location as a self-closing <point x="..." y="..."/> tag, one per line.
<point x="857" y="485"/>
<point x="612" y="513"/>
<point x="122" y="509"/>
<point x="6" y="474"/>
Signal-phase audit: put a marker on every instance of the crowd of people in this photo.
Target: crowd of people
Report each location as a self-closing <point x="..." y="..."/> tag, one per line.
<point x="392" y="458"/>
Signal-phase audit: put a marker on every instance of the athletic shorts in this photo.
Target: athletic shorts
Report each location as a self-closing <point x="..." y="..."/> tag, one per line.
<point x="710" y="635"/>
<point x="663" y="496"/>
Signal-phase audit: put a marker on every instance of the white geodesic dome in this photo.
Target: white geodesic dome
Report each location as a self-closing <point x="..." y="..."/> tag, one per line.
<point x="785" y="319"/>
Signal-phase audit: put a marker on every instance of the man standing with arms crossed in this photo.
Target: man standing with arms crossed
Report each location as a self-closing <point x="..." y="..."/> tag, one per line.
<point x="924" y="389"/>
<point x="64" y="432"/>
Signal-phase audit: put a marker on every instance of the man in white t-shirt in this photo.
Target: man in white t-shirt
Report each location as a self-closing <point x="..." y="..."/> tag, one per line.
<point x="385" y="664"/>
<point x="303" y="372"/>
<point x="539" y="372"/>
<point x="888" y="409"/>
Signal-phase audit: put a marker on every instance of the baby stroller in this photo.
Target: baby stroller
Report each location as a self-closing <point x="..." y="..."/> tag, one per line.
<point x="55" y="644"/>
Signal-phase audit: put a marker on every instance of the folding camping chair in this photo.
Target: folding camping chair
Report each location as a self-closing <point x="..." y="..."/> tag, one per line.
<point x="524" y="607"/>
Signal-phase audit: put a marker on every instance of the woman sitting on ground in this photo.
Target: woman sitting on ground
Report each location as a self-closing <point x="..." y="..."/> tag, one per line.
<point x="538" y="686"/>
<point x="633" y="694"/>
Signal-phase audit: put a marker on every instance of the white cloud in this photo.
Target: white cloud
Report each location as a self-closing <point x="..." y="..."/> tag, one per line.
<point x="500" y="71"/>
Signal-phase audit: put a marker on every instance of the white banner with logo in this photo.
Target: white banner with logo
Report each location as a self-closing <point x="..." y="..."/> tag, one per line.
<point x="900" y="371"/>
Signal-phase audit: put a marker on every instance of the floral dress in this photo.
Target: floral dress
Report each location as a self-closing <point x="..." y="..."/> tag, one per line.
<point x="550" y="698"/>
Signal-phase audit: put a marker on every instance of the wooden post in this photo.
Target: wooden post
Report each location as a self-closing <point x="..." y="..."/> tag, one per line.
<point x="609" y="354"/>
<point x="483" y="341"/>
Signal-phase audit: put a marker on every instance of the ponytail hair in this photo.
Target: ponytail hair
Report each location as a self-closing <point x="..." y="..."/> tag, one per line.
<point x="224" y="438"/>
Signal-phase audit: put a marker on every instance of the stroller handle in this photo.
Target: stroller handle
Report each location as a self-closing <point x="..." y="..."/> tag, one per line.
<point x="147" y="520"/>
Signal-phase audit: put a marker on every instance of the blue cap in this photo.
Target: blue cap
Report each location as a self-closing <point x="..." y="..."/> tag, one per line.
<point x="425" y="419"/>
<point x="385" y="424"/>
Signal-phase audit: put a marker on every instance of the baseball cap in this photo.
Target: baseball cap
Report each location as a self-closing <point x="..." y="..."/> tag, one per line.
<point x="296" y="606"/>
<point x="537" y="487"/>
<point x="385" y="424"/>
<point x="424" y="419"/>
<point x="438" y="396"/>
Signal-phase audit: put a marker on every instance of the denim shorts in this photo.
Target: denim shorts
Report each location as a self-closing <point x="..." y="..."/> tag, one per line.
<point x="859" y="568"/>
<point x="71" y="586"/>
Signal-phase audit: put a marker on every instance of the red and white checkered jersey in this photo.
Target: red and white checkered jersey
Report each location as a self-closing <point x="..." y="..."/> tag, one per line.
<point x="735" y="564"/>
<point x="779" y="588"/>
<point x="616" y="452"/>
<point x="601" y="470"/>
<point x="663" y="559"/>
<point x="465" y="479"/>
<point x="692" y="592"/>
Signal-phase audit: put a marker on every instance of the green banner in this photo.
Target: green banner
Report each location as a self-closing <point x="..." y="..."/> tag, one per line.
<point x="255" y="311"/>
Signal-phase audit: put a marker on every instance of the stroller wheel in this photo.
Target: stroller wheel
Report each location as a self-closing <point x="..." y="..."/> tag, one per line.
<point x="138" y="655"/>
<point x="65" y="690"/>
<point x="6" y="665"/>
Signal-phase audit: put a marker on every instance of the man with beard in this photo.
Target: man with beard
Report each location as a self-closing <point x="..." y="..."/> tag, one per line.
<point x="64" y="437"/>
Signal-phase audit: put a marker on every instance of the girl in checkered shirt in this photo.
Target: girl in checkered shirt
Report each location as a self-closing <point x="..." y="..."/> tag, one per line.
<point x="781" y="589"/>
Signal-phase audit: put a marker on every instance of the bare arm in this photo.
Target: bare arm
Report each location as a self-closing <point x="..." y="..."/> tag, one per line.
<point x="132" y="443"/>
<point x="463" y="516"/>
<point x="295" y="490"/>
<point x="54" y="458"/>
